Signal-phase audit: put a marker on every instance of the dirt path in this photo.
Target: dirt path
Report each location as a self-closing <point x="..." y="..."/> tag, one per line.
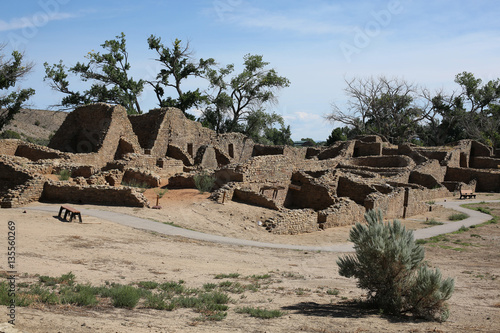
<point x="474" y="218"/>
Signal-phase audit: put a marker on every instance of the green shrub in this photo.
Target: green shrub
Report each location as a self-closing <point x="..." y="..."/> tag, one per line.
<point x="333" y="292"/>
<point x="260" y="313"/>
<point x="135" y="183"/>
<point x="8" y="134"/>
<point x="433" y="222"/>
<point x="81" y="295"/>
<point x="389" y="264"/>
<point x="225" y="276"/>
<point x="458" y="217"/>
<point x="148" y="284"/>
<point x="125" y="296"/>
<point x="204" y="182"/>
<point x="64" y="174"/>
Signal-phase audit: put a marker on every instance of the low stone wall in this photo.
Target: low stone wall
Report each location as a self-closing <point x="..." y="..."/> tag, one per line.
<point x="93" y="195"/>
<point x="23" y="194"/>
<point x="139" y="176"/>
<point x="487" y="181"/>
<point x="485" y="163"/>
<point x="251" y="197"/>
<point x="35" y="153"/>
<point x="293" y="222"/>
<point x="344" y="212"/>
<point x="8" y="146"/>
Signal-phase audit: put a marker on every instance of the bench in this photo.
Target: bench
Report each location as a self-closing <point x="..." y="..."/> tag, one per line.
<point x="71" y="211"/>
<point x="464" y="194"/>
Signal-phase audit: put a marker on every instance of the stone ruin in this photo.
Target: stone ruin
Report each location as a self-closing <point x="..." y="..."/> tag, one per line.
<point x="310" y="188"/>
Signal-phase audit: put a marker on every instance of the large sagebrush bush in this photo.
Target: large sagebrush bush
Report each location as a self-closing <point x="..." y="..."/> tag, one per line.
<point x="389" y="264"/>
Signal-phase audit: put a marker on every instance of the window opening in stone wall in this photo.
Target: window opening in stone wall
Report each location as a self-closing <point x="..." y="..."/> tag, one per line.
<point x="190" y="149"/>
<point x="230" y="148"/>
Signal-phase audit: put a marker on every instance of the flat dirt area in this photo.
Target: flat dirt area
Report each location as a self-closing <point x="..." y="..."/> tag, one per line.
<point x="304" y="285"/>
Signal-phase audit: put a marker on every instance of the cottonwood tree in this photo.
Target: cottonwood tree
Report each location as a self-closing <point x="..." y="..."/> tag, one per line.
<point x="389" y="107"/>
<point x="472" y="112"/>
<point x="110" y="74"/>
<point x="233" y="100"/>
<point x="12" y="70"/>
<point x="177" y="67"/>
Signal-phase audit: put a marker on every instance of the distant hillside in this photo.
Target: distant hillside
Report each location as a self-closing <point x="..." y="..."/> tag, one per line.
<point x="36" y="125"/>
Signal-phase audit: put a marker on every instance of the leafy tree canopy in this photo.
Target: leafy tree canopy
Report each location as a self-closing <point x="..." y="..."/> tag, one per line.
<point x="12" y="70"/>
<point x="109" y="73"/>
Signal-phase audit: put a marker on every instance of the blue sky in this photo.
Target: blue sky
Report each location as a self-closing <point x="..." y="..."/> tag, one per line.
<point x="315" y="44"/>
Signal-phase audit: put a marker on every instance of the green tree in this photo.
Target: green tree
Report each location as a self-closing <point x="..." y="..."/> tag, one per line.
<point x="338" y="134"/>
<point x="109" y="73"/>
<point x="12" y="70"/>
<point x="177" y="67"/>
<point x="389" y="264"/>
<point x="233" y="101"/>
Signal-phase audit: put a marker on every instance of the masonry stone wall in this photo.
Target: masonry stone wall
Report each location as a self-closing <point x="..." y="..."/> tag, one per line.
<point x="251" y="197"/>
<point x="367" y="148"/>
<point x="9" y="146"/>
<point x="141" y="176"/>
<point x="487" y="181"/>
<point x="344" y="212"/>
<point x="100" y="132"/>
<point x="96" y="195"/>
<point x="306" y="192"/>
<point x="293" y="222"/>
<point x="485" y="163"/>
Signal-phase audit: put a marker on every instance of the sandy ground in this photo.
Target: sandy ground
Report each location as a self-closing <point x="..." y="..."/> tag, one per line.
<point x="98" y="251"/>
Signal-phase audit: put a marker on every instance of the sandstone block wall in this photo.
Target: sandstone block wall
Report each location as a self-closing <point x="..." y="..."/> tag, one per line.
<point x="293" y="222"/>
<point x="344" y="212"/>
<point x="96" y="195"/>
<point x="487" y="181"/>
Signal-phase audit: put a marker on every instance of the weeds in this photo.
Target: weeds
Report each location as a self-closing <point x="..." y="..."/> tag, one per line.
<point x="125" y="296"/>
<point x="227" y="276"/>
<point x="458" y="217"/>
<point x="135" y="183"/>
<point x="433" y="221"/>
<point x="333" y="292"/>
<point x="64" y="174"/>
<point x="204" y="182"/>
<point x="260" y="313"/>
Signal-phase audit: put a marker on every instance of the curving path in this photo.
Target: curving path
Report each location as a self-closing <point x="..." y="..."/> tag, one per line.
<point x="149" y="225"/>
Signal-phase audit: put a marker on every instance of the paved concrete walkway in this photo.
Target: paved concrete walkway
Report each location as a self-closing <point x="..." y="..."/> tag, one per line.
<point x="149" y="225"/>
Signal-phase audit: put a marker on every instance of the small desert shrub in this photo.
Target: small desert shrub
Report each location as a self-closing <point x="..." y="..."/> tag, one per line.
<point x="458" y="217"/>
<point x="225" y="276"/>
<point x="204" y="182"/>
<point x="433" y="222"/>
<point x="260" y="313"/>
<point x="161" y="192"/>
<point x="389" y="264"/>
<point x="64" y="174"/>
<point x="135" y="183"/>
<point x="333" y="292"/>
<point x="148" y="284"/>
<point x="81" y="295"/>
<point x="125" y="296"/>
<point x="8" y="134"/>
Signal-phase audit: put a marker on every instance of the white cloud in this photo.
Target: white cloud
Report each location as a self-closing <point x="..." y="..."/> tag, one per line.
<point x="36" y="20"/>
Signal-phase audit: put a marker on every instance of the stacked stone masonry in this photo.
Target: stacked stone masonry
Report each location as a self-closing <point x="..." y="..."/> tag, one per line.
<point x="104" y="150"/>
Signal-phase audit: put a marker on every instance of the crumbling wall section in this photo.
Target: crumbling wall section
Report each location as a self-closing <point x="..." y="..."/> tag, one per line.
<point x="250" y="197"/>
<point x="95" y="194"/>
<point x="344" y="212"/>
<point x="487" y="181"/>
<point x="293" y="222"/>
<point x="485" y="163"/>
<point x="9" y="146"/>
